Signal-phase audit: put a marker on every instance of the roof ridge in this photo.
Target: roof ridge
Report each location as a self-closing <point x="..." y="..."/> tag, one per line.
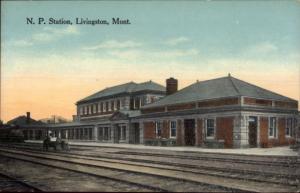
<point x="264" y="89"/>
<point x="234" y="86"/>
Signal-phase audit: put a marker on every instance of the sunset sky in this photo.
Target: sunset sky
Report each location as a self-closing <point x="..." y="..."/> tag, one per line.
<point x="47" y="68"/>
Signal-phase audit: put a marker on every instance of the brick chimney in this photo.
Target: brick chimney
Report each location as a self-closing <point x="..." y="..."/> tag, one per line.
<point x="172" y="85"/>
<point x="27" y="117"/>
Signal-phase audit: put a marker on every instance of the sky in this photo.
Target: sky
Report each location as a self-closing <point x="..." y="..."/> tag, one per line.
<point x="46" y="68"/>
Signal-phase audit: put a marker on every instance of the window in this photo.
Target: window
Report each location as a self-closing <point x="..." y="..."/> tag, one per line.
<point x="99" y="107"/>
<point x="106" y="133"/>
<point x="85" y="110"/>
<point x="118" y="104"/>
<point x="105" y="108"/>
<point x="210" y="128"/>
<point x="108" y="106"/>
<point x="90" y="109"/>
<point x="288" y="128"/>
<point x="123" y="132"/>
<point x="158" y="129"/>
<point x="100" y="133"/>
<point x="95" y="109"/>
<point x="272" y="127"/>
<point x="112" y="105"/>
<point x="173" y="128"/>
<point x="81" y="110"/>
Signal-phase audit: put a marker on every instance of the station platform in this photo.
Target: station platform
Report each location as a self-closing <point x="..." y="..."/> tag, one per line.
<point x="275" y="151"/>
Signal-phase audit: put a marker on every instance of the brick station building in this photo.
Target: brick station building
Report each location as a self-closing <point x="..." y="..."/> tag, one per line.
<point x="223" y="112"/>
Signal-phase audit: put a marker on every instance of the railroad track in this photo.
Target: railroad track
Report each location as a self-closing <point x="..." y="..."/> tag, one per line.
<point x="235" y="173"/>
<point x="148" y="181"/>
<point x="170" y="172"/>
<point x="259" y="176"/>
<point x="287" y="161"/>
<point x="13" y="184"/>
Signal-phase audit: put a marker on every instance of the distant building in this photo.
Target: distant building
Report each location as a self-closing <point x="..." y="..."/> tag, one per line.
<point x="55" y="119"/>
<point x="223" y="112"/>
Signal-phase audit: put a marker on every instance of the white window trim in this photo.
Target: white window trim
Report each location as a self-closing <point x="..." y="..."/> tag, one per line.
<point x="276" y="128"/>
<point x="109" y="105"/>
<point x="171" y="128"/>
<point x="90" y="110"/>
<point x="85" y="110"/>
<point x="80" y="110"/>
<point x="99" y="107"/>
<point x="156" y="128"/>
<point x="94" y="108"/>
<point x="210" y="137"/>
<point x="104" y="106"/>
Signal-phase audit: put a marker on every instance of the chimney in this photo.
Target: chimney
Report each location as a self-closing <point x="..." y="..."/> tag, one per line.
<point x="172" y="85"/>
<point x="27" y="117"/>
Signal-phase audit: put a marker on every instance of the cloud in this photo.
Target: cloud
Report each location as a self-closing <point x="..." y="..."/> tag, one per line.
<point x="48" y="34"/>
<point x="263" y="47"/>
<point x="176" y="41"/>
<point x="135" y="54"/>
<point x="114" y="44"/>
<point x="21" y="43"/>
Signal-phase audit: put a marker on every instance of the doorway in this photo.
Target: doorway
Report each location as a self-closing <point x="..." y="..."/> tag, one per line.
<point x="252" y="131"/>
<point x="136" y="127"/>
<point x="189" y="132"/>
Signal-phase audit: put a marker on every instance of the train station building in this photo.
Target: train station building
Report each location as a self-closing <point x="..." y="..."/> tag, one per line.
<point x="224" y="113"/>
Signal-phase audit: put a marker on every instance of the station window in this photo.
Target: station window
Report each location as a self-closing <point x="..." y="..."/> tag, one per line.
<point x="112" y="105"/>
<point x="105" y="107"/>
<point x="85" y="110"/>
<point x="90" y="109"/>
<point x="118" y="104"/>
<point x="95" y="109"/>
<point x="100" y="133"/>
<point x="288" y="128"/>
<point x="108" y="107"/>
<point x="173" y="127"/>
<point x="106" y="133"/>
<point x="137" y="103"/>
<point x="158" y="129"/>
<point x="81" y="110"/>
<point x="99" y="107"/>
<point x="272" y="127"/>
<point x="123" y="132"/>
<point x="210" y="128"/>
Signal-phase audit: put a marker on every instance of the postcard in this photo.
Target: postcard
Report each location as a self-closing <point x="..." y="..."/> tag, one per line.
<point x="150" y="96"/>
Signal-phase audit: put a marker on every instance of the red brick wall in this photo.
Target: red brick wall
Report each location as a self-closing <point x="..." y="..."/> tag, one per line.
<point x="149" y="130"/>
<point x="264" y="124"/>
<point x="281" y="131"/>
<point x="199" y="133"/>
<point x="258" y="102"/>
<point x="291" y="105"/>
<point x="181" y="107"/>
<point x="153" y="110"/>
<point x="165" y="133"/>
<point x="219" y="102"/>
<point x="265" y="141"/>
<point x="180" y="133"/>
<point x="224" y="130"/>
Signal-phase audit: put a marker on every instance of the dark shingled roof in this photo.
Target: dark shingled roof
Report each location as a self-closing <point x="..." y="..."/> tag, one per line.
<point x="130" y="87"/>
<point x="22" y="120"/>
<point x="218" y="88"/>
